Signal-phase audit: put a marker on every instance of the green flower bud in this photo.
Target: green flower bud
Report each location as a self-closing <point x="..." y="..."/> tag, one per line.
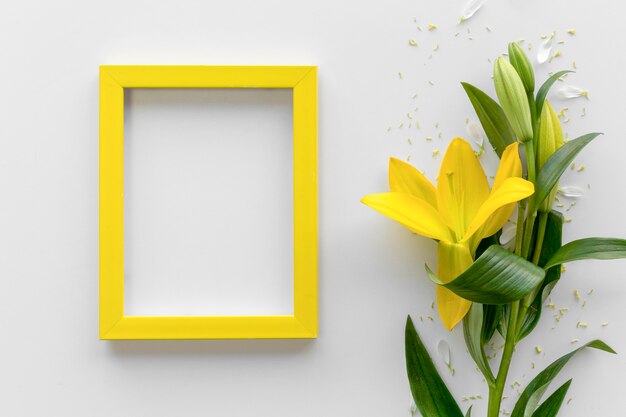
<point x="512" y="97"/>
<point x="550" y="139"/>
<point x="522" y="65"/>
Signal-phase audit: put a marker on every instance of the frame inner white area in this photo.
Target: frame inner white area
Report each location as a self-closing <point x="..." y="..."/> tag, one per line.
<point x="208" y="202"/>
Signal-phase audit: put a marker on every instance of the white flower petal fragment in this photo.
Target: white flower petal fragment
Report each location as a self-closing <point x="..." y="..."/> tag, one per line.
<point x="471" y="7"/>
<point x="443" y="348"/>
<point x="571" y="191"/>
<point x="543" y="54"/>
<point x="569" y="92"/>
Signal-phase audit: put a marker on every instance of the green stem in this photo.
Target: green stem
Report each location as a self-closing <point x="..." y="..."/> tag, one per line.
<point x="541" y="233"/>
<point x="532" y="213"/>
<point x="495" y="392"/>
<point x="527" y="301"/>
<point x="519" y="227"/>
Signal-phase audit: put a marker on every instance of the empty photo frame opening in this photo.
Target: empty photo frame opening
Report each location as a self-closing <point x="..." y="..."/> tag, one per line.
<point x="208" y="202"/>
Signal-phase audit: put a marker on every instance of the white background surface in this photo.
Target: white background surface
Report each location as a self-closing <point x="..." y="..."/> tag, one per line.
<point x="209" y="202"/>
<point x="371" y="270"/>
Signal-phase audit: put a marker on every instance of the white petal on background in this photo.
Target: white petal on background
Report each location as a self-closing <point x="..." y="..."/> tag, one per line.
<point x="443" y="348"/>
<point x="571" y="191"/>
<point x="545" y="49"/>
<point x="413" y="407"/>
<point x="476" y="133"/>
<point x="471" y="8"/>
<point x="508" y="233"/>
<point x="570" y="91"/>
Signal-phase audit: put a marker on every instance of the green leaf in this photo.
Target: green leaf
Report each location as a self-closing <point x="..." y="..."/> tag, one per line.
<point x="589" y="248"/>
<point x="543" y="91"/>
<point x="496" y="277"/>
<point x="472" y="331"/>
<point x="551" y="244"/>
<point x="552" y="405"/>
<point x="555" y="166"/>
<point x="431" y="396"/>
<point x="492" y="118"/>
<point x="530" y="398"/>
<point x="491" y="317"/>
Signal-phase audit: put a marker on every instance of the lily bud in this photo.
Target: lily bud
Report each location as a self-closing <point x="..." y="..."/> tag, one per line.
<point x="512" y="97"/>
<point x="550" y="139"/>
<point x="522" y="65"/>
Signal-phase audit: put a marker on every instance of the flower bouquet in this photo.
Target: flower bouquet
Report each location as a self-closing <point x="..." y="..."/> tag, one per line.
<point x="487" y="286"/>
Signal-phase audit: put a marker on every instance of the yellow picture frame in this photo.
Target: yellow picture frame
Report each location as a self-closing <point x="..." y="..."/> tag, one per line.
<point x="114" y="324"/>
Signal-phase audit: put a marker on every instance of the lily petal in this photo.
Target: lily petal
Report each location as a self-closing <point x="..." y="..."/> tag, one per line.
<point x="452" y="260"/>
<point x="405" y="178"/>
<point x="510" y="165"/>
<point x="461" y="187"/>
<point x="511" y="190"/>
<point x="414" y="213"/>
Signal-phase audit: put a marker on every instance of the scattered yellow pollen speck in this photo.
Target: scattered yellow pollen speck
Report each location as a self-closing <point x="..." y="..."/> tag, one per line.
<point x="561" y="113"/>
<point x="551" y="305"/>
<point x="530" y="46"/>
<point x="435" y="152"/>
<point x="389" y="129"/>
<point x="572" y="166"/>
<point x="408" y="158"/>
<point x="436" y="48"/>
<point x="584" y="113"/>
<point x="487" y="28"/>
<point x="606" y="323"/>
<point x="467" y="120"/>
<point x="400" y="75"/>
<point x="436" y="125"/>
<point x="419" y="28"/>
<point x="574" y="64"/>
<point x="401" y="125"/>
<point x="412" y="42"/>
<point x="569" y="400"/>
<point x="577" y="295"/>
<point x="563" y="268"/>
<point x="574" y="341"/>
<point x="538" y="349"/>
<point x="414" y="96"/>
<point x="556" y="55"/>
<point x="432" y="27"/>
<point x="430" y="318"/>
<point x="566" y="220"/>
<point x="457" y="34"/>
<point x="572" y="32"/>
<point x="583" y="325"/>
<point x="590" y="291"/>
<point x="560" y="205"/>
<point x="432" y="305"/>
<point x="421" y="318"/>
<point x="584" y="303"/>
<point x="430" y="82"/>
<point x="417" y="124"/>
<point x="532" y="365"/>
<point x="428" y="139"/>
<point x="409" y="115"/>
<point x="563" y="310"/>
<point x="561" y="42"/>
<point x="410" y="142"/>
<point x="581" y="168"/>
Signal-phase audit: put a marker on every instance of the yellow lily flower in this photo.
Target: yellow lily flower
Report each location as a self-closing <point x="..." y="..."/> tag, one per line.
<point x="459" y="212"/>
